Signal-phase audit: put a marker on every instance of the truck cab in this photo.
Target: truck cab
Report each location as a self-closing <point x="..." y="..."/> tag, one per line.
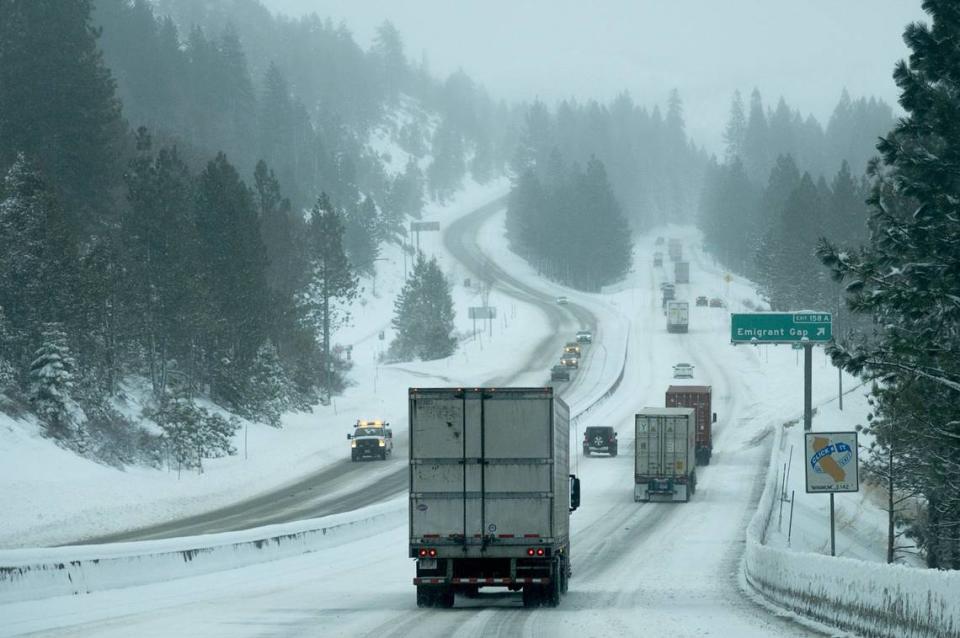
<point x="370" y="439"/>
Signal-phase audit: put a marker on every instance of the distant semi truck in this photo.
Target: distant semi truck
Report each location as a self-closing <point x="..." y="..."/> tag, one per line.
<point x="698" y="397"/>
<point x="678" y="316"/>
<point x="681" y="272"/>
<point x="490" y="493"/>
<point x="675" y="249"/>
<point x="665" y="467"/>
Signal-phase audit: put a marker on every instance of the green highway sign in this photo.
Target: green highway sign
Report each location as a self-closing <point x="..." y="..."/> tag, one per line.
<point x="781" y="327"/>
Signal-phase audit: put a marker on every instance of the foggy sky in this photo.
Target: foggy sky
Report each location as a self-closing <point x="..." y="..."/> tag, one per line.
<point x="520" y="49"/>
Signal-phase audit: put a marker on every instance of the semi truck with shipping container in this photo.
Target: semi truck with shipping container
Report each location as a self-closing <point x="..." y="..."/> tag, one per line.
<point x="665" y="467"/>
<point x="490" y="493"/>
<point x="678" y="316"/>
<point x="698" y="397"/>
<point x="681" y="272"/>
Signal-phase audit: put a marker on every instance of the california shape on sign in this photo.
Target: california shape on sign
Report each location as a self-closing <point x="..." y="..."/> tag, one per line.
<point x="830" y="461"/>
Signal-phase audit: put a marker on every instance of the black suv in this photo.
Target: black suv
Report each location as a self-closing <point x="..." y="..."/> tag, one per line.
<point x="600" y="438"/>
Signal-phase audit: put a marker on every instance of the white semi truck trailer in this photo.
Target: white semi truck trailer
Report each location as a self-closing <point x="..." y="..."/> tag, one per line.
<point x="665" y="448"/>
<point x="490" y="493"/>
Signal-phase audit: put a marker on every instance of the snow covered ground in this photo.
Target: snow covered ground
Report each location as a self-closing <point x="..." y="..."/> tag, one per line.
<point x="667" y="568"/>
<point x="51" y="496"/>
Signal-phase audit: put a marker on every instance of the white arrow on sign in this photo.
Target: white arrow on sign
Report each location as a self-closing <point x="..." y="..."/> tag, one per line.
<point x="821" y="332"/>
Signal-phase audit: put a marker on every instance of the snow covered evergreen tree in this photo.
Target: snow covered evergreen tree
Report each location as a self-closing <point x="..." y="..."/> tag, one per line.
<point x="268" y="393"/>
<point x="332" y="283"/>
<point x="193" y="433"/>
<point x="51" y="382"/>
<point x="360" y="235"/>
<point x="37" y="259"/>
<point x="908" y="277"/>
<point x="8" y="373"/>
<point x="424" y="315"/>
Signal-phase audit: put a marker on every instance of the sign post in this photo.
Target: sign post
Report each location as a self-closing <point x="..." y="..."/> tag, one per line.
<point x="804" y="329"/>
<point x="418" y="227"/>
<point x="482" y="312"/>
<point x="831" y="465"/>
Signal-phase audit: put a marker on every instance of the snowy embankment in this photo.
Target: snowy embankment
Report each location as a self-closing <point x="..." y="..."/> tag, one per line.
<point x="34" y="574"/>
<point x="873" y="599"/>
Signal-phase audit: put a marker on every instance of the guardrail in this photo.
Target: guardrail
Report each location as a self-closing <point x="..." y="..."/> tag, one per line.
<point x="872" y="599"/>
<point x="613" y="388"/>
<point x="32" y="574"/>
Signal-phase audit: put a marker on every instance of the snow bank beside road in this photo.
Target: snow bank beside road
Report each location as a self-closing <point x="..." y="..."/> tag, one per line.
<point x="31" y="574"/>
<point x="873" y="599"/>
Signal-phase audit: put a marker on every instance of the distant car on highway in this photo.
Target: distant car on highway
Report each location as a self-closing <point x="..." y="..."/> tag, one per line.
<point x="570" y="359"/>
<point x="717" y="302"/>
<point x="683" y="371"/>
<point x="560" y="373"/>
<point x="701" y="301"/>
<point x="584" y="336"/>
<point x="562" y="300"/>
<point x="659" y="241"/>
<point x="572" y="346"/>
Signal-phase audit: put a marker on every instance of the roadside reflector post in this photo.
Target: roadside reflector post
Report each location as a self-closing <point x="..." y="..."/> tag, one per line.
<point x="790" y="524"/>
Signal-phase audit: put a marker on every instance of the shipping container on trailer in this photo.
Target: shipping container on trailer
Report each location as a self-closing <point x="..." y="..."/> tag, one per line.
<point x="678" y="316"/>
<point x="698" y="397"/>
<point x="664" y="454"/>
<point x="490" y="492"/>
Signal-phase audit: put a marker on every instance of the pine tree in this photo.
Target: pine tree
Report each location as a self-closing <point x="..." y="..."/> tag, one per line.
<point x="908" y="277"/>
<point x="608" y="250"/>
<point x="360" y="235"/>
<point x="736" y="129"/>
<point x="8" y="373"/>
<point x="163" y="292"/>
<point x="268" y="393"/>
<point x="389" y="58"/>
<point x="57" y="102"/>
<point x="193" y="433"/>
<point x="333" y="284"/>
<point x="38" y="264"/>
<point x="234" y="276"/>
<point x="424" y="315"/>
<point x="756" y="140"/>
<point x="51" y="376"/>
<point x="445" y="173"/>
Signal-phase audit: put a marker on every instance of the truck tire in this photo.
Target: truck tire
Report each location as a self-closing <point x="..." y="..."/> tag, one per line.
<point x="383" y="455"/>
<point x="445" y="597"/>
<point x="613" y="451"/>
<point x="551" y="594"/>
<point x="586" y="451"/>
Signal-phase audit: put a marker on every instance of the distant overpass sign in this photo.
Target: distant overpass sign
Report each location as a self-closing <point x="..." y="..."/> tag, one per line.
<point x="781" y="327"/>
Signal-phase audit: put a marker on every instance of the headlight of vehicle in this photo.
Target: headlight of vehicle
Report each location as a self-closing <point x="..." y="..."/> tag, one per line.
<point x="381" y="442"/>
<point x="353" y="444"/>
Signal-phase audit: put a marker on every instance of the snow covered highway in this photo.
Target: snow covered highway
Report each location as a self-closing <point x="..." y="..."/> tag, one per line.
<point x="672" y="567"/>
<point x="345" y="486"/>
